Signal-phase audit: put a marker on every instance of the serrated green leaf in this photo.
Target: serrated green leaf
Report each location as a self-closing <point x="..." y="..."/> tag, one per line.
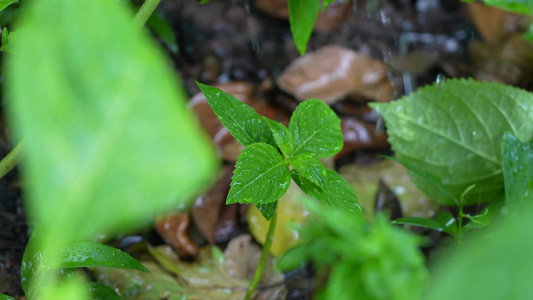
<point x="517" y="162"/>
<point x="443" y="221"/>
<point x="315" y="130"/>
<point x="337" y="193"/>
<point x="310" y="168"/>
<point x="260" y="177"/>
<point x="241" y="120"/>
<point x="267" y="210"/>
<point x="89" y="254"/>
<point x="282" y="136"/>
<point x="302" y="17"/>
<point x="6" y="3"/>
<point x="454" y="131"/>
<point x="99" y="143"/>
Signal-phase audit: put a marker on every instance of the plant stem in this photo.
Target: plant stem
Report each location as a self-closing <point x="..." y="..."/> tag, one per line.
<point x="145" y="11"/>
<point x="11" y="159"/>
<point x="264" y="255"/>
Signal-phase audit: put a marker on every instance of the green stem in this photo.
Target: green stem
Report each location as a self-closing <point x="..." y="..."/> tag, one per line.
<point x="11" y="159"/>
<point x="145" y="11"/>
<point x="264" y="255"/>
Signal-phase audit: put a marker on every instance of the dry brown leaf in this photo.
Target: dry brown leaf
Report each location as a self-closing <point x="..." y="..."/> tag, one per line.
<point x="332" y="72"/>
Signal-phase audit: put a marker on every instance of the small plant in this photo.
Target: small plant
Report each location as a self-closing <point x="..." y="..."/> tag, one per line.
<point x="262" y="173"/>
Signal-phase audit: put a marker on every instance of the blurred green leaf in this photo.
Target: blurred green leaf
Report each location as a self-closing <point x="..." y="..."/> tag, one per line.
<point x="337" y="193"/>
<point x="6" y="297"/>
<point x="366" y="261"/>
<point x="491" y="265"/>
<point x="240" y="120"/>
<point x="89" y="254"/>
<point x="517" y="163"/>
<point x="105" y="151"/>
<point x="101" y="135"/>
<point x="454" y="131"/>
<point x="6" y="3"/>
<point x="260" y="177"/>
<point x="517" y="6"/>
<point x="315" y="130"/>
<point x="302" y="17"/>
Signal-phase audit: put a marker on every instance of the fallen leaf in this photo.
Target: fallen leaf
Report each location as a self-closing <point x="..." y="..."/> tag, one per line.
<point x="331" y="73"/>
<point x="242" y="257"/>
<point x="173" y="229"/>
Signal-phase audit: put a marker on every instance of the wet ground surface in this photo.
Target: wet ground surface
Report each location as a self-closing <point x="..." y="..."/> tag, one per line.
<point x="244" y="46"/>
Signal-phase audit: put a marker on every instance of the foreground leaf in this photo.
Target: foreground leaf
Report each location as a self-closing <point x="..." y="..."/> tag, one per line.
<point x="493" y="265"/>
<point x="364" y="261"/>
<point x="260" y="177"/>
<point x="310" y="168"/>
<point x="315" y="129"/>
<point x="517" y="160"/>
<point x="454" y="131"/>
<point x="302" y="17"/>
<point x="282" y="136"/>
<point x="105" y="151"/>
<point x="241" y="120"/>
<point x="337" y="193"/>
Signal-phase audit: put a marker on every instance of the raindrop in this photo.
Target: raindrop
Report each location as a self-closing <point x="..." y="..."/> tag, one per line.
<point x="98" y="250"/>
<point x="441" y="79"/>
<point x="252" y="27"/>
<point x="74" y="253"/>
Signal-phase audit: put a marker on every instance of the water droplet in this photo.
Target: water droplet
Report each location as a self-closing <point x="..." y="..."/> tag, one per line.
<point x="74" y="253"/>
<point x="98" y="250"/>
<point x="441" y="80"/>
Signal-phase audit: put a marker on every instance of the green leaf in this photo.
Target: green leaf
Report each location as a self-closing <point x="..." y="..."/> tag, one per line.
<point x="102" y="292"/>
<point x="517" y="160"/>
<point x="454" y="131"/>
<point x="240" y="119"/>
<point x="6" y="3"/>
<point x="162" y="28"/>
<point x="443" y="221"/>
<point x="267" y="210"/>
<point x="282" y="136"/>
<point x="260" y="177"/>
<point x="104" y="151"/>
<point x="6" y="297"/>
<point x="310" y="168"/>
<point x="302" y="17"/>
<point x="337" y="193"/>
<point x="315" y="129"/>
<point x="89" y="254"/>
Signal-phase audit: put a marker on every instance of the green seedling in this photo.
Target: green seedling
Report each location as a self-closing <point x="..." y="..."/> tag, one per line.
<point x="262" y="174"/>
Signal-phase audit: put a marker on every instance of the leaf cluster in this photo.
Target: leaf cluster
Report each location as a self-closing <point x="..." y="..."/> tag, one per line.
<point x="365" y="261"/>
<point x="262" y="173"/>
